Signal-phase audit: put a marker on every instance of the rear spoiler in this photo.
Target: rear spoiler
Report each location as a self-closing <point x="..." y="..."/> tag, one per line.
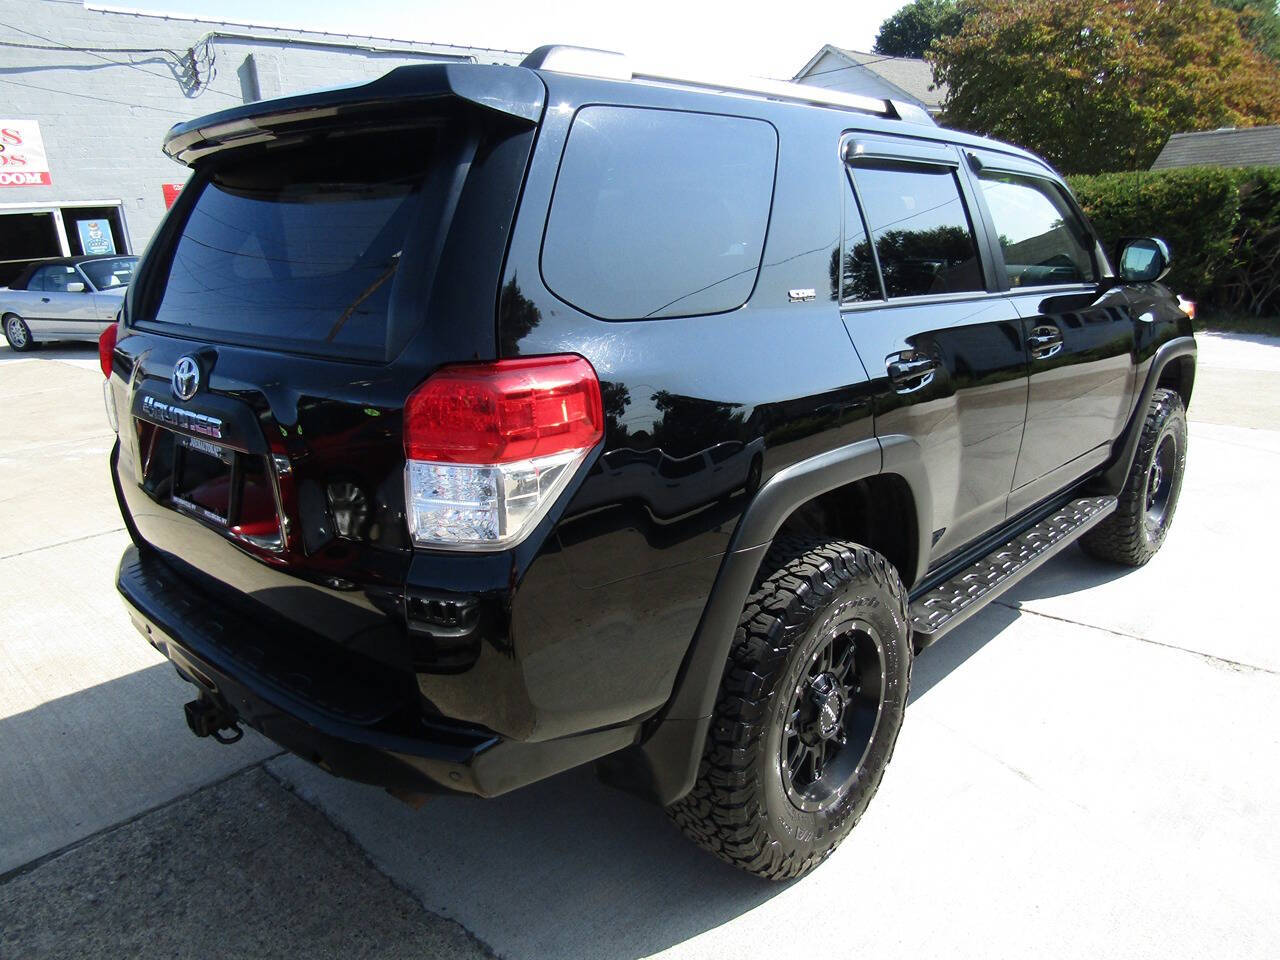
<point x="514" y="91"/>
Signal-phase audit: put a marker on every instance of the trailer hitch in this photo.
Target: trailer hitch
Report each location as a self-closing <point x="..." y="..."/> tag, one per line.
<point x="208" y="719"/>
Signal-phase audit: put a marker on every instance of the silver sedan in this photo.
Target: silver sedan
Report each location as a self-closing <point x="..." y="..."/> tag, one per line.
<point x="74" y="298"/>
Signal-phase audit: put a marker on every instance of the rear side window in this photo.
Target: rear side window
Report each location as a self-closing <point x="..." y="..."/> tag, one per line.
<point x="921" y="230"/>
<point x="658" y="213"/>
<point x="1040" y="236"/>
<point x="53" y="279"/>
<point x="299" y="248"/>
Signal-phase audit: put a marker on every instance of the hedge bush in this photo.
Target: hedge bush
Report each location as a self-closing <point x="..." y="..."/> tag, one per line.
<point x="1222" y="226"/>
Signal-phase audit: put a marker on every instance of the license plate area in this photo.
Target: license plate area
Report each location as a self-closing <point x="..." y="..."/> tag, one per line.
<point x="225" y="488"/>
<point x="205" y="478"/>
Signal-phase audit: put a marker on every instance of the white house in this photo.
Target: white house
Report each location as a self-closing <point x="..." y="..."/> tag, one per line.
<point x="874" y="75"/>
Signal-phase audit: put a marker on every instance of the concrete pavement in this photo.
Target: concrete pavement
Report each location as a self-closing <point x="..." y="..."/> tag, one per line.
<point x="1088" y="768"/>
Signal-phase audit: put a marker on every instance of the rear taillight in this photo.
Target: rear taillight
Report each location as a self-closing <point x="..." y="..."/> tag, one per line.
<point x="490" y="446"/>
<point x="107" y="347"/>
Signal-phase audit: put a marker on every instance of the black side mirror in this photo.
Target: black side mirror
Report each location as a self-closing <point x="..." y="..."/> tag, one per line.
<point x="1143" y="260"/>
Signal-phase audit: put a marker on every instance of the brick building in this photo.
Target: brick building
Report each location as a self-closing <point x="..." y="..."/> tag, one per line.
<point x="87" y="94"/>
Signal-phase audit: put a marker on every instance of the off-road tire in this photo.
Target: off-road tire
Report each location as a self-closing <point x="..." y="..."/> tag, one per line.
<point x="23" y="340"/>
<point x="1129" y="536"/>
<point x="739" y="808"/>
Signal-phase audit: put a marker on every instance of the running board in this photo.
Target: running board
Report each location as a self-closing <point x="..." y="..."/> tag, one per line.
<point x="949" y="604"/>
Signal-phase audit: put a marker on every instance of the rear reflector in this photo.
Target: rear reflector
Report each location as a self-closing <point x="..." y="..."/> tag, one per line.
<point x="489" y="447"/>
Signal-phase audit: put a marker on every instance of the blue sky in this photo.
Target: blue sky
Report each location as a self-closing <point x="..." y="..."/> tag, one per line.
<point x="771" y="40"/>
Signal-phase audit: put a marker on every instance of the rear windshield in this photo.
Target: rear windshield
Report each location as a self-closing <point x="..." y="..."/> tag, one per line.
<point x="299" y="248"/>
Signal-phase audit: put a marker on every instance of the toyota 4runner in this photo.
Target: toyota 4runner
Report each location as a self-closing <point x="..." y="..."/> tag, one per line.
<point x="480" y="422"/>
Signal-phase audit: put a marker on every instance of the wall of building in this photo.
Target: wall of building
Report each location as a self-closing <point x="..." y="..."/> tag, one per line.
<point x="103" y="112"/>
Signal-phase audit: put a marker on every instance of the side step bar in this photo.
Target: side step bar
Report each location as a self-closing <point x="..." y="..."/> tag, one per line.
<point x="949" y="604"/>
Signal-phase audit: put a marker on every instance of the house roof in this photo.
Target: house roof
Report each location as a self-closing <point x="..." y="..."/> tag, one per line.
<point x="911" y="75"/>
<point x="1229" y="147"/>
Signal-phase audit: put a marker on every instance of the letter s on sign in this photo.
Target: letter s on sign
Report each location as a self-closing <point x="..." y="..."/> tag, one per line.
<point x="10" y="135"/>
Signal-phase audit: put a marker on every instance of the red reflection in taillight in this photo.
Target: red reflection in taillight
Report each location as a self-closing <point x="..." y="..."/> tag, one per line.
<point x="106" y="347"/>
<point x="502" y="412"/>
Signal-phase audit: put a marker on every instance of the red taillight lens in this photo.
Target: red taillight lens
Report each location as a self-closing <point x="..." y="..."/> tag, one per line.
<point x="106" y="347"/>
<point x="502" y="412"/>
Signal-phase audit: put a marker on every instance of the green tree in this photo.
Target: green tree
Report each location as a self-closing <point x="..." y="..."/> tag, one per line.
<point x="911" y="31"/>
<point x="1095" y="85"/>
<point x="1260" y="22"/>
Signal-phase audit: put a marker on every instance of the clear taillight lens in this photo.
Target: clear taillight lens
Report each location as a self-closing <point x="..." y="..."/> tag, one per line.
<point x="489" y="447"/>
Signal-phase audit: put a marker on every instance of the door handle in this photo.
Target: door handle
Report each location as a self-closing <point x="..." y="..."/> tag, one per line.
<point x="911" y="372"/>
<point x="1044" y="342"/>
<point x="44" y="299"/>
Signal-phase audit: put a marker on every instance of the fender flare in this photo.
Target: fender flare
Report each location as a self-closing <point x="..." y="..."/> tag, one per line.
<point x="1117" y="471"/>
<point x="664" y="766"/>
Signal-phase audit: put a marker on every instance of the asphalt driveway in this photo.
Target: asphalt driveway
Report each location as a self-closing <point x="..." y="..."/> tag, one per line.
<point x="1089" y="768"/>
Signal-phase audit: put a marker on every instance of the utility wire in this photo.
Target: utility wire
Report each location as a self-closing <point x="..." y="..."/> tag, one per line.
<point x="85" y="96"/>
<point x="178" y="58"/>
<point x="62" y="46"/>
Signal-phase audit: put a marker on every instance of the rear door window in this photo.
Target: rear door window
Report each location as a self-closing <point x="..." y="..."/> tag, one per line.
<point x="922" y="233"/>
<point x="299" y="249"/>
<point x="659" y="213"/>
<point x="1042" y="240"/>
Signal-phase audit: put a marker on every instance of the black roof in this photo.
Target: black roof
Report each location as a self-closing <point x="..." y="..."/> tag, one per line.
<point x="20" y="281"/>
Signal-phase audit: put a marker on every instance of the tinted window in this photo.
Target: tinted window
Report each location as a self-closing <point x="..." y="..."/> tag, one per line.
<point x="658" y="213"/>
<point x="299" y="248"/>
<point x="1040" y="237"/>
<point x="921" y="230"/>
<point x="104" y="274"/>
<point x="53" y="279"/>
<point x="858" y="277"/>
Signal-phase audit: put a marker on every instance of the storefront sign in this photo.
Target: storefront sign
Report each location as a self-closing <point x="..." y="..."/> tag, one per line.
<point x="22" y="158"/>
<point x="171" y="191"/>
<point x="95" y="237"/>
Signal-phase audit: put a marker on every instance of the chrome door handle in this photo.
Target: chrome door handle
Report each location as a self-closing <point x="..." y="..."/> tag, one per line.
<point x="1044" y="342"/>
<point x="911" y="373"/>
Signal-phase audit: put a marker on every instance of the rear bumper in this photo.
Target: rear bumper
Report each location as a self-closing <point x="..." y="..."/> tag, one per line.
<point x="352" y="719"/>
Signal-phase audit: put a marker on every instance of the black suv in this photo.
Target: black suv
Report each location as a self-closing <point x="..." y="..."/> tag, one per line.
<point x="480" y="422"/>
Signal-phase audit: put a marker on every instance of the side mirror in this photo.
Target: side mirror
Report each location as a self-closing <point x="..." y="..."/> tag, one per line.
<point x="75" y="286"/>
<point x="1143" y="260"/>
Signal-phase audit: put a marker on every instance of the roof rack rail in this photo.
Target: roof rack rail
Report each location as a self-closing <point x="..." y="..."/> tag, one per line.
<point x="611" y="65"/>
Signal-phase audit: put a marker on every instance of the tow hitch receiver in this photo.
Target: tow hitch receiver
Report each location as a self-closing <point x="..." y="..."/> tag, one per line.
<point x="208" y="719"/>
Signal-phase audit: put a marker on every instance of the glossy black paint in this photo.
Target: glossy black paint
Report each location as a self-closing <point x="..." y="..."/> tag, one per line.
<point x="606" y="630"/>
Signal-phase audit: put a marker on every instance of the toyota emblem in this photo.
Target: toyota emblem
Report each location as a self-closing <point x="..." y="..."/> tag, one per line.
<point x="186" y="378"/>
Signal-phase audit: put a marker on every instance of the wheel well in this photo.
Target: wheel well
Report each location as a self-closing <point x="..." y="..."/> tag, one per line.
<point x="1179" y="375"/>
<point x="877" y="512"/>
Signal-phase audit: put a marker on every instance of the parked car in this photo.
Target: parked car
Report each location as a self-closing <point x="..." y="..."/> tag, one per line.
<point x="481" y="422"/>
<point x="71" y="298"/>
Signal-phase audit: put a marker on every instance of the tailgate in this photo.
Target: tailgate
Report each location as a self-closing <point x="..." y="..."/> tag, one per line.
<point x="329" y="253"/>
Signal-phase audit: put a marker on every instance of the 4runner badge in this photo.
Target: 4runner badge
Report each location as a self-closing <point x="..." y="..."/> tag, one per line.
<point x="186" y="378"/>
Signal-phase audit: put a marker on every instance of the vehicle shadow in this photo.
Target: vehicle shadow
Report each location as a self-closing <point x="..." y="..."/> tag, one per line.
<point x="566" y="868"/>
<point x="53" y="350"/>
